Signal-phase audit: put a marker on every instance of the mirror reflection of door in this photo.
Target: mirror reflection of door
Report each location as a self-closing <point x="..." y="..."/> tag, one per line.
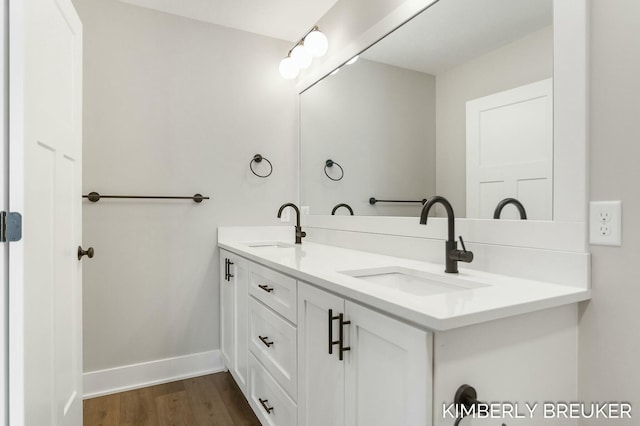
<point x="510" y="151"/>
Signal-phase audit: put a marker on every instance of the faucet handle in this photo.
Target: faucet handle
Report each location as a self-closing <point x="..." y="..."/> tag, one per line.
<point x="464" y="249"/>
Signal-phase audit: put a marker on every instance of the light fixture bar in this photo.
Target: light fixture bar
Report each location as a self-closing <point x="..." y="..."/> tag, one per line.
<point x="312" y="45"/>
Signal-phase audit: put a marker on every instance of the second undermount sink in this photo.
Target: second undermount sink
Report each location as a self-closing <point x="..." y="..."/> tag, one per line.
<point x="270" y="244"/>
<point x="411" y="281"/>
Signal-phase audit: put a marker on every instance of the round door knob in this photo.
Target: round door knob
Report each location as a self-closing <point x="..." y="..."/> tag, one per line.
<point x="88" y="252"/>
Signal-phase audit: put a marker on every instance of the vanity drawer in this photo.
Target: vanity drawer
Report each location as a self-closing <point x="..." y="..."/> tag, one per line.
<point x="268" y="400"/>
<point x="274" y="289"/>
<point x="273" y="342"/>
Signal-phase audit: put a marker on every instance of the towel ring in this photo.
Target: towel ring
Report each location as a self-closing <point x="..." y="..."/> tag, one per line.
<point x="331" y="163"/>
<point x="258" y="159"/>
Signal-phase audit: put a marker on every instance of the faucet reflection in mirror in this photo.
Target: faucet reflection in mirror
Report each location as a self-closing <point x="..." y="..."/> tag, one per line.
<point x="346" y="206"/>
<point x="313" y="45"/>
<point x="300" y="234"/>
<point x="452" y="254"/>
<point x="503" y="203"/>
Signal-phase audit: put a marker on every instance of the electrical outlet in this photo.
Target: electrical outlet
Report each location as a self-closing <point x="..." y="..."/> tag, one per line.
<point x="604" y="231"/>
<point x="604" y="215"/>
<point x="286" y="215"/>
<point x="605" y="223"/>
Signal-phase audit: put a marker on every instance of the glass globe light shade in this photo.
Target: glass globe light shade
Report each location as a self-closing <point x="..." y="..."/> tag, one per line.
<point x="317" y="43"/>
<point x="288" y="68"/>
<point x="301" y="56"/>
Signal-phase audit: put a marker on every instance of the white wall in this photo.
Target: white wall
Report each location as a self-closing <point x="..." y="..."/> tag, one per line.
<point x="378" y="122"/>
<point x="609" y="343"/>
<point x="524" y="61"/>
<point x="173" y="106"/>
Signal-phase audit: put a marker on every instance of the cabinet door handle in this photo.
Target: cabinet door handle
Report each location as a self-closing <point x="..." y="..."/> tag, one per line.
<point x="265" y="340"/>
<point x="266" y="288"/>
<point x="229" y="275"/>
<point x="331" y="341"/>
<point x="265" y="405"/>
<point x="226" y="269"/>
<point x="341" y="346"/>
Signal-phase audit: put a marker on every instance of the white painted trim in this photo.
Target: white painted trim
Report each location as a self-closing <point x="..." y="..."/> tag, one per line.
<point x="16" y="203"/>
<point x="568" y="230"/>
<point x="571" y="111"/>
<point x="4" y="205"/>
<point x="135" y="376"/>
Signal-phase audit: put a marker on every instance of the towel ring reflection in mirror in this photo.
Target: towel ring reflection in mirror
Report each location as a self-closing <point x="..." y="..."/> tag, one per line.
<point x="331" y="163"/>
<point x="258" y="159"/>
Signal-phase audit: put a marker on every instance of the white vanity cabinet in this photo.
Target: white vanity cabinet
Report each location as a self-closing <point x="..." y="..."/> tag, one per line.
<point x="282" y="337"/>
<point x="234" y="338"/>
<point x="384" y="376"/>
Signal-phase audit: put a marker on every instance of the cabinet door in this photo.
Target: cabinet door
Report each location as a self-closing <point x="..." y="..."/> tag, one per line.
<point x="227" y="312"/>
<point x="320" y="374"/>
<point x="234" y="319"/>
<point x="388" y="379"/>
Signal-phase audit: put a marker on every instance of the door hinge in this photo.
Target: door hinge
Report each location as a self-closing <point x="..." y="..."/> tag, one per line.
<point x="11" y="227"/>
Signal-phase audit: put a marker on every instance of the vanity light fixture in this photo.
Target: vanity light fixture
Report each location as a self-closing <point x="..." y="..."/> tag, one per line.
<point x="313" y="45"/>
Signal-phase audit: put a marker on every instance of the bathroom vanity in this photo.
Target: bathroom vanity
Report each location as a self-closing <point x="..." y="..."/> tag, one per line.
<point x="321" y="335"/>
<point x="360" y="325"/>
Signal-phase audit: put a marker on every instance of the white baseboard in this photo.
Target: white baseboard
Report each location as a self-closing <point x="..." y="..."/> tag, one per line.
<point x="135" y="376"/>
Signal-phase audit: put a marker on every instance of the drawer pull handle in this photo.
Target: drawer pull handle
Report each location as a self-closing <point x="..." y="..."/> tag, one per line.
<point x="265" y="340"/>
<point x="331" y="341"/>
<point x="266" y="288"/>
<point x="265" y="405"/>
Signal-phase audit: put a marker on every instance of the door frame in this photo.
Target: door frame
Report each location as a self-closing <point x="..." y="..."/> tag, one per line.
<point x="4" y="205"/>
<point x="16" y="395"/>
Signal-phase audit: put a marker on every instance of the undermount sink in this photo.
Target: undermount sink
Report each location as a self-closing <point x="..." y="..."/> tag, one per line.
<point x="270" y="244"/>
<point x="411" y="281"/>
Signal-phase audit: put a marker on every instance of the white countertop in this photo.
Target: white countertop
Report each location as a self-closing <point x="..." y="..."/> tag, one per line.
<point x="319" y="264"/>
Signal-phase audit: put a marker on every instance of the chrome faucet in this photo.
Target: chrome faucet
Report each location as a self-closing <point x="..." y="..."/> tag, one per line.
<point x="452" y="254"/>
<point x="518" y="204"/>
<point x="300" y="234"/>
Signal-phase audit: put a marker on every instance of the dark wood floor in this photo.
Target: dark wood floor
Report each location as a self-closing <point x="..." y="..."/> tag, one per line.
<point x="214" y="399"/>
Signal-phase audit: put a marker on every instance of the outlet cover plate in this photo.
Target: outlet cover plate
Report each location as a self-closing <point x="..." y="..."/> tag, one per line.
<point x="605" y="223"/>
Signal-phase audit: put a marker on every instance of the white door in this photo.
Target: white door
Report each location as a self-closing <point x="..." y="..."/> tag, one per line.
<point x="388" y="371"/>
<point x="320" y="374"/>
<point x="45" y="185"/>
<point x="510" y="151"/>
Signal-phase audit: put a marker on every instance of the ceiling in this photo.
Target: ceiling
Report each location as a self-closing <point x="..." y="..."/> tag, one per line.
<point x="283" y="19"/>
<point x="452" y="32"/>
